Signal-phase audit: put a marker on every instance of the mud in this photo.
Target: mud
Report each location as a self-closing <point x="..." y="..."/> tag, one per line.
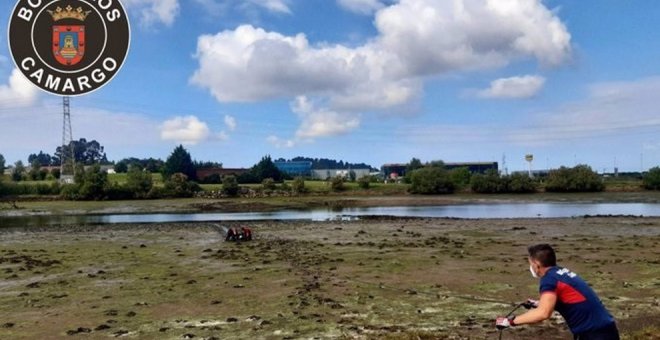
<point x="378" y="278"/>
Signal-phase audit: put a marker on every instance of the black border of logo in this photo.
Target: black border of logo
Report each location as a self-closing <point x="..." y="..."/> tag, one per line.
<point x="108" y="62"/>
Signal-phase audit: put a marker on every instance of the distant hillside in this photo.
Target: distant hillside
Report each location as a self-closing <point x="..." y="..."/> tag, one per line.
<point x="323" y="163"/>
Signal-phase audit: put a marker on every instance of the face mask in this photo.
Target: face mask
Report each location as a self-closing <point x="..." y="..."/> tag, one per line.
<point x="531" y="270"/>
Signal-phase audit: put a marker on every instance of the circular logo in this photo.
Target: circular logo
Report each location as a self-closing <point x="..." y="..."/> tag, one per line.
<point x="69" y="47"/>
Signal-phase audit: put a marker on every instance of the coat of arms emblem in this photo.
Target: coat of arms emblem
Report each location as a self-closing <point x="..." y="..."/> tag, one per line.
<point x="69" y="39"/>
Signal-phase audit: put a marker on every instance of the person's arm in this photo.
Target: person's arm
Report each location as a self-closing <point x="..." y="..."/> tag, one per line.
<point x="542" y="312"/>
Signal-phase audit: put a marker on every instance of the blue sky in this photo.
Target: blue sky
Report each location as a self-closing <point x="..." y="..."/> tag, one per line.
<point x="367" y="81"/>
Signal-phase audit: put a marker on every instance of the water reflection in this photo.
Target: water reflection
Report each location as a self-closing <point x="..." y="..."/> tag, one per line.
<point x="471" y="211"/>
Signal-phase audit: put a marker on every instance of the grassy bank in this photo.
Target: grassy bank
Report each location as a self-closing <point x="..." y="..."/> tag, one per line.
<point x="372" y="279"/>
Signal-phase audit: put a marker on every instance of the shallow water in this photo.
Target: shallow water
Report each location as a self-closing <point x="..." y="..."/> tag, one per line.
<point x="469" y="211"/>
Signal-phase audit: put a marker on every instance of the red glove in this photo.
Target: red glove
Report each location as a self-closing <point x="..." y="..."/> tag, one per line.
<point x="503" y="323"/>
<point x="529" y="304"/>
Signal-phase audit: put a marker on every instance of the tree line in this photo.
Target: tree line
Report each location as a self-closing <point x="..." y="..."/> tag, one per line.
<point x="434" y="179"/>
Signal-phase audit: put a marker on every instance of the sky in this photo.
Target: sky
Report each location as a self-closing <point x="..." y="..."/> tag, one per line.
<point x="374" y="81"/>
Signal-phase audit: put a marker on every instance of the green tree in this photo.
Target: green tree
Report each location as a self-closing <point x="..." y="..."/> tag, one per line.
<point x="179" y="162"/>
<point x="337" y="183"/>
<point x="437" y="164"/>
<point x="521" y="184"/>
<point x="266" y="169"/>
<point x="35" y="169"/>
<point x="121" y="167"/>
<point x="139" y="182"/>
<point x="578" y="179"/>
<point x="18" y="172"/>
<point x="364" y="182"/>
<point x="230" y="185"/>
<point x="56" y="173"/>
<point x="431" y="181"/>
<point x="652" y="179"/>
<point x="298" y="186"/>
<point x="460" y="177"/>
<point x="94" y="184"/>
<point x="85" y="152"/>
<point x="413" y="165"/>
<point x="42" y="158"/>
<point x="352" y="176"/>
<point x="488" y="183"/>
<point x="3" y="163"/>
<point x="178" y="186"/>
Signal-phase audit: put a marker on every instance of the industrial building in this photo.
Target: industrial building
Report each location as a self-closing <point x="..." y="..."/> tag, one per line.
<point x="295" y="168"/>
<point x="394" y="171"/>
<point x="474" y="168"/>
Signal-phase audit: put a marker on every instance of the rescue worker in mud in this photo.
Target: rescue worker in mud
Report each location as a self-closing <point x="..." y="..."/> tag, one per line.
<point x="563" y="291"/>
<point x="247" y="233"/>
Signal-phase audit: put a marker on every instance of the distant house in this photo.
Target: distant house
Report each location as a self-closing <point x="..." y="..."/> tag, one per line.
<point x="222" y="172"/>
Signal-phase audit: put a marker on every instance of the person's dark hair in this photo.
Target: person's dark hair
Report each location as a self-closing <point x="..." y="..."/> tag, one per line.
<point x="544" y="254"/>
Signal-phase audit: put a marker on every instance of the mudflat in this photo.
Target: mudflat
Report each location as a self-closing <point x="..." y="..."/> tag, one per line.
<point x="376" y="278"/>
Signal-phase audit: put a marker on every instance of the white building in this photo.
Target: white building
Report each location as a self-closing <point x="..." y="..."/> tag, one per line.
<point x="323" y="174"/>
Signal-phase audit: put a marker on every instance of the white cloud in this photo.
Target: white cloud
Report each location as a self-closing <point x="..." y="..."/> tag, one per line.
<point x="361" y="6"/>
<point x="220" y="7"/>
<point x="230" y="122"/>
<point x="514" y="87"/>
<point x="280" y="143"/>
<point x="279" y="6"/>
<point x="319" y="122"/>
<point x="222" y="136"/>
<point x="155" y="11"/>
<point x="417" y="40"/>
<point x="188" y="130"/>
<point x="18" y="92"/>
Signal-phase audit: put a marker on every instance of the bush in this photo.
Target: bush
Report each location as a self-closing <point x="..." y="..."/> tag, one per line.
<point x="493" y="183"/>
<point x="578" y="179"/>
<point x="489" y="183"/>
<point x="29" y="189"/>
<point x="212" y="179"/>
<point x="18" y="174"/>
<point x="521" y="184"/>
<point x="364" y="182"/>
<point x="298" y="186"/>
<point x="121" y="167"/>
<point x="337" y="184"/>
<point x="70" y="192"/>
<point x="460" y="177"/>
<point x="431" y="181"/>
<point x="179" y="186"/>
<point x="121" y="192"/>
<point x="652" y="179"/>
<point x="139" y="182"/>
<point x="268" y="184"/>
<point x="230" y="186"/>
<point x="56" y="173"/>
<point x="93" y="184"/>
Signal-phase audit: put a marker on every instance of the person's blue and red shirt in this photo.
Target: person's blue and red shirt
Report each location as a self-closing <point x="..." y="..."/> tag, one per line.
<point x="576" y="301"/>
